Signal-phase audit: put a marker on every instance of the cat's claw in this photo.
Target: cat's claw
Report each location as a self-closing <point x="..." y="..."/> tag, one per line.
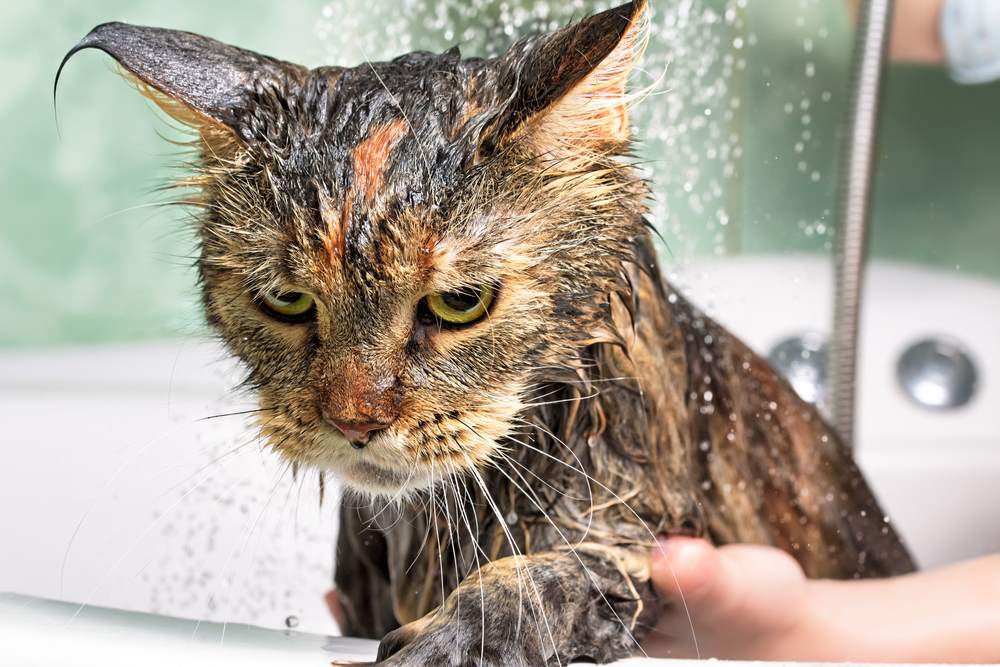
<point x="400" y="638"/>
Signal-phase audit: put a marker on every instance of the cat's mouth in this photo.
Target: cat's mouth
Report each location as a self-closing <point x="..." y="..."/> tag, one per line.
<point x="393" y="462"/>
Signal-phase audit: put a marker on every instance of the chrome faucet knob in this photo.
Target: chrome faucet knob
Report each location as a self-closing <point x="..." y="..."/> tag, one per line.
<point x="938" y="374"/>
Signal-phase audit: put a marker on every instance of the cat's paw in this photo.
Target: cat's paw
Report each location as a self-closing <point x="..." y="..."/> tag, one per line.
<point x="456" y="642"/>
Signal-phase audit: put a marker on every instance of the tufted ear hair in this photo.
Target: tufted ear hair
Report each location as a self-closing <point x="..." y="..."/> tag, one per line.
<point x="571" y="85"/>
<point x="197" y="80"/>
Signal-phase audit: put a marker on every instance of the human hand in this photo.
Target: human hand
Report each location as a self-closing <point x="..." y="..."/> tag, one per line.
<point x="738" y="601"/>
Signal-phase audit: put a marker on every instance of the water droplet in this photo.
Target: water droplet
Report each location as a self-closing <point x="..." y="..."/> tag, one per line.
<point x="511" y="518"/>
<point x="291" y="621"/>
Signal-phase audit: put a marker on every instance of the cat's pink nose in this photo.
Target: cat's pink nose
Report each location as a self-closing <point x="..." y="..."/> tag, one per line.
<point x="357" y="433"/>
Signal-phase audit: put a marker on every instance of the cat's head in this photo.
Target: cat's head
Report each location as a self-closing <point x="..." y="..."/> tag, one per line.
<point x="402" y="253"/>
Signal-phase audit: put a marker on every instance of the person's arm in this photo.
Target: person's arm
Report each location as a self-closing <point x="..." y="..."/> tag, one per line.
<point x="916" y="31"/>
<point x="951" y="614"/>
<point x="752" y="602"/>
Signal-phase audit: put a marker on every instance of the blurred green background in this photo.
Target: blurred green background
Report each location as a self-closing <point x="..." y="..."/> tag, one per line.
<point x="741" y="137"/>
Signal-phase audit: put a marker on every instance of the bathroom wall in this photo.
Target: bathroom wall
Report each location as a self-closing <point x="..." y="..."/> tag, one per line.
<point x="936" y="200"/>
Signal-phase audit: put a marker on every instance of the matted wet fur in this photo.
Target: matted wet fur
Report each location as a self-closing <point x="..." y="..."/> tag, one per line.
<point x="508" y="473"/>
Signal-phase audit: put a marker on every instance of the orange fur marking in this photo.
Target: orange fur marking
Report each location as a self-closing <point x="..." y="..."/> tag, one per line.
<point x="371" y="157"/>
<point x="336" y="226"/>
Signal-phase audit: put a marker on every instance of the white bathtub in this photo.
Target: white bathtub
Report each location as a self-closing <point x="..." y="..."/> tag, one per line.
<point x="103" y="446"/>
<point x="42" y="633"/>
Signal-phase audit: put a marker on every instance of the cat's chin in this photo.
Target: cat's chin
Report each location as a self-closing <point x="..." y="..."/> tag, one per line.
<point x="369" y="471"/>
<point x="367" y="478"/>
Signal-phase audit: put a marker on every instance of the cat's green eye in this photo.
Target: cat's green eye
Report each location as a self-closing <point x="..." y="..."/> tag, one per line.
<point x="463" y="306"/>
<point x="288" y="306"/>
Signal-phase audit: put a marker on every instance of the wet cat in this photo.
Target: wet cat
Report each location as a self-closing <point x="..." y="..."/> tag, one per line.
<point x="440" y="276"/>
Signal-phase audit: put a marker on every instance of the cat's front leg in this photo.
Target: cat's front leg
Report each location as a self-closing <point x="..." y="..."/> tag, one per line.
<point x="362" y="577"/>
<point x="543" y="609"/>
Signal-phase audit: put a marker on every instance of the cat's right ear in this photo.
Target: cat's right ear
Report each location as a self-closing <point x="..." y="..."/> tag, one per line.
<point x="211" y="86"/>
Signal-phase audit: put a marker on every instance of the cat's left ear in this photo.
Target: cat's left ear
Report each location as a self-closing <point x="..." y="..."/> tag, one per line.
<point x="571" y="86"/>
